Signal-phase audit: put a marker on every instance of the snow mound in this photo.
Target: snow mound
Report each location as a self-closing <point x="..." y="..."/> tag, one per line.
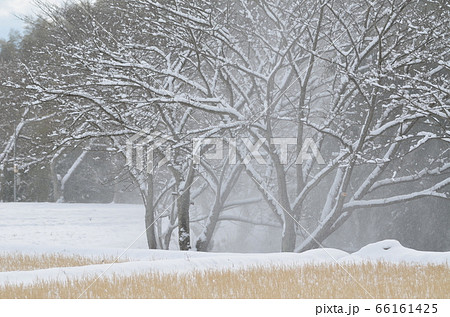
<point x="392" y="251"/>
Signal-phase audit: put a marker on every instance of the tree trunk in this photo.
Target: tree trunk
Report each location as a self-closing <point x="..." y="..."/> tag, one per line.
<point x="150" y="215"/>
<point x="57" y="194"/>
<point x="183" y="205"/>
<point x="3" y="183"/>
<point x="150" y="226"/>
<point x="7" y="184"/>
<point x="205" y="239"/>
<point x="183" y="221"/>
<point x="289" y="236"/>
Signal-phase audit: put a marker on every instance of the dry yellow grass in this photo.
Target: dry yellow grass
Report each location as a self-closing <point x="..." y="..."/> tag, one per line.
<point x="380" y="280"/>
<point x="24" y="262"/>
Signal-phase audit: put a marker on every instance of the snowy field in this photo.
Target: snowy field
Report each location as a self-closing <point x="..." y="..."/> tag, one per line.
<point x="118" y="231"/>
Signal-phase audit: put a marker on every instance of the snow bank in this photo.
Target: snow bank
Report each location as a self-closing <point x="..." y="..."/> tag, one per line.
<point x="164" y="262"/>
<point x="185" y="263"/>
<point x="392" y="251"/>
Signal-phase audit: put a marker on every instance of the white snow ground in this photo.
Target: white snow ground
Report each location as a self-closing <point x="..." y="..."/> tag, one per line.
<point x="117" y="230"/>
<point x="75" y="225"/>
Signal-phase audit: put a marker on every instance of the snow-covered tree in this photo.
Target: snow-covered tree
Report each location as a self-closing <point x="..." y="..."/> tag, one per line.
<point x="362" y="85"/>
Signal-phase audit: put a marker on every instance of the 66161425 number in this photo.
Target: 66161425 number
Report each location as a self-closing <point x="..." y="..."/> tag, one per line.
<point x="406" y="308"/>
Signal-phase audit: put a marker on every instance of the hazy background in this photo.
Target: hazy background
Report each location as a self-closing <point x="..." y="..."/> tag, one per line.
<point x="11" y="12"/>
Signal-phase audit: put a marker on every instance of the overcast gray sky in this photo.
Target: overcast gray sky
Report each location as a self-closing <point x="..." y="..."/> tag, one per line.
<point x="10" y="9"/>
